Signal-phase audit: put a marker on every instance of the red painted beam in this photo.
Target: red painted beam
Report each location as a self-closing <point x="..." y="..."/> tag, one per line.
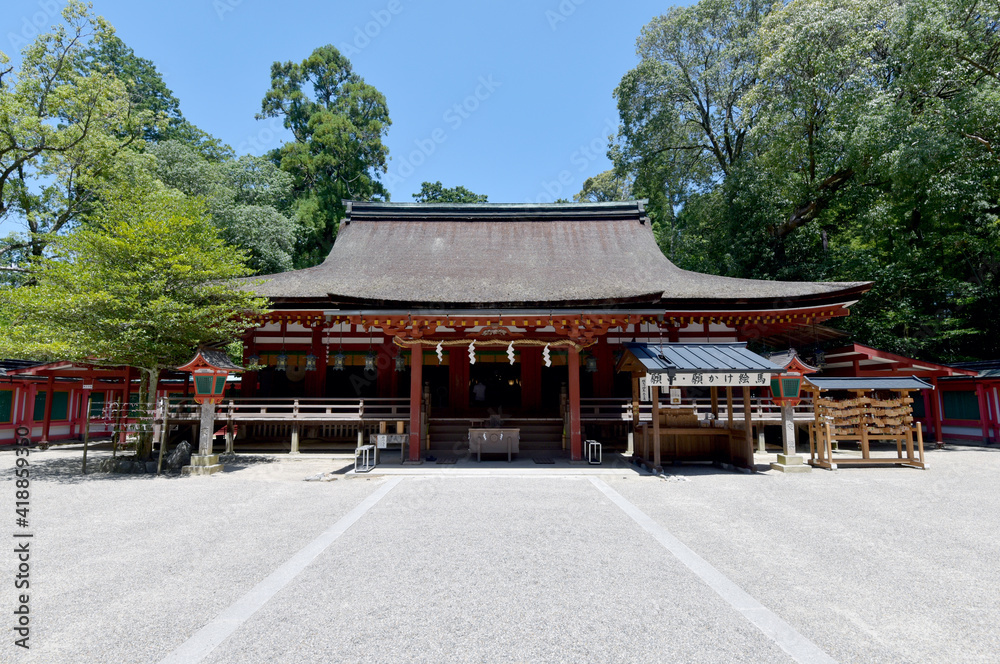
<point x="837" y="354"/>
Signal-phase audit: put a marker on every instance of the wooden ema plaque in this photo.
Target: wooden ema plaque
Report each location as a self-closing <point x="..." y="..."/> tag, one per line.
<point x="865" y="418"/>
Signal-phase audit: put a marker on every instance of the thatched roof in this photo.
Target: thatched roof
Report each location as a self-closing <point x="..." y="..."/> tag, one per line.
<point x="490" y="255"/>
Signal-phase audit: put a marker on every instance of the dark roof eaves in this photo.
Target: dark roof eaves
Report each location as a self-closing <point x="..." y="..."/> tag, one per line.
<point x="835" y="296"/>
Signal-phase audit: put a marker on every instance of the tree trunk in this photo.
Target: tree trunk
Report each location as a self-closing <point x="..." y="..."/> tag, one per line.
<point x="147" y="397"/>
<point x="810" y="210"/>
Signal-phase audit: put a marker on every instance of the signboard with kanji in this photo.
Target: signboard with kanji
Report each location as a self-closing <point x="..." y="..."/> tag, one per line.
<point x="707" y="379"/>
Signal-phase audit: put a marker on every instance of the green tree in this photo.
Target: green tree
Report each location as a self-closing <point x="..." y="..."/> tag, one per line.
<point x="248" y="199"/>
<point x="435" y="192"/>
<point x="824" y="61"/>
<point x="62" y="132"/>
<point x="605" y="187"/>
<point x="867" y="134"/>
<point x="683" y="128"/>
<point x="148" y="92"/>
<point x="337" y="122"/>
<point x="143" y="286"/>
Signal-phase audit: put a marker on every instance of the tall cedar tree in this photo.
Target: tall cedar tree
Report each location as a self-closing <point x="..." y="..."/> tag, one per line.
<point x="337" y="122"/>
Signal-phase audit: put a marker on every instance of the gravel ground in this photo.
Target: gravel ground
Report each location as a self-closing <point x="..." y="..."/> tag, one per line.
<point x="872" y="565"/>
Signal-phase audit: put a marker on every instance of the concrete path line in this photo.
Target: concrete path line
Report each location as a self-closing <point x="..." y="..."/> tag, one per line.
<point x="788" y="639"/>
<point x="205" y="640"/>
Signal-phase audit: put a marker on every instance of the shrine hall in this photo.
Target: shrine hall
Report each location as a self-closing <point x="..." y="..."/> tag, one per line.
<point x="428" y="321"/>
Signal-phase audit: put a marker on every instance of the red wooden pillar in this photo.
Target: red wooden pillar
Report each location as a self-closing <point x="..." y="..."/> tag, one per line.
<point x="248" y="380"/>
<point x="604" y="378"/>
<point x="984" y="411"/>
<point x="322" y="352"/>
<point x="993" y="413"/>
<point x="531" y="378"/>
<point x="991" y="419"/>
<point x="385" y="364"/>
<point x="78" y="407"/>
<point x="316" y="380"/>
<point x="394" y="379"/>
<point x="458" y="375"/>
<point x="928" y="419"/>
<point x="936" y="412"/>
<point x="416" y="393"/>
<point x="575" y="432"/>
<point x="48" y="408"/>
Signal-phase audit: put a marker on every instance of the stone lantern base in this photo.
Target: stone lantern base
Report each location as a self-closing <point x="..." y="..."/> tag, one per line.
<point x="790" y="463"/>
<point x="203" y="465"/>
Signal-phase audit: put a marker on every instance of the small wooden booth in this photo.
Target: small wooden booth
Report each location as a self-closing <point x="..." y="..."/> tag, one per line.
<point x="863" y="410"/>
<point x="677" y="432"/>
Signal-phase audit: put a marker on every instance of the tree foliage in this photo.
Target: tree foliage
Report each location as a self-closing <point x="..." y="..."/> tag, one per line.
<point x="435" y="192"/>
<point x="605" y="187"/>
<point x="149" y="94"/>
<point x="830" y="139"/>
<point x="337" y="122"/>
<point x="247" y="197"/>
<point x="143" y="286"/>
<point x="62" y="132"/>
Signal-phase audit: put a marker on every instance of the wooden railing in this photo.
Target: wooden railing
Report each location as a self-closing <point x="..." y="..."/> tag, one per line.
<point x="620" y="409"/>
<point x="298" y="410"/>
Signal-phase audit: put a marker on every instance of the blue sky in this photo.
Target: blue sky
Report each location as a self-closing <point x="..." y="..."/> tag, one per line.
<point x="511" y="99"/>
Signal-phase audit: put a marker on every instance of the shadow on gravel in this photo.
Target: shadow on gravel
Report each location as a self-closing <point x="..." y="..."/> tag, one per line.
<point x="68" y="470"/>
<point x="964" y="447"/>
<point x="695" y="469"/>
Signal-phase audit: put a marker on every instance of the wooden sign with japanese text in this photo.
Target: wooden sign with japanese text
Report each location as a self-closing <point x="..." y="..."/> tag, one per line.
<point x="707" y="379"/>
